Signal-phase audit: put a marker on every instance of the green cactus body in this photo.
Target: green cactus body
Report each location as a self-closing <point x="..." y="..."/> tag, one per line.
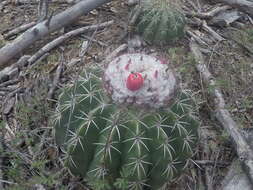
<point x="131" y="136"/>
<point x="160" y="21"/>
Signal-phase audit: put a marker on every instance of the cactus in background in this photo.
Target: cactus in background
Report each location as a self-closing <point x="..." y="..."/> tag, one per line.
<point x="129" y="127"/>
<point x="160" y="21"/>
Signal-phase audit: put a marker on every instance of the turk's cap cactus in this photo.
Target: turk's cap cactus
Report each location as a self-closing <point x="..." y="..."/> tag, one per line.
<point x="117" y="145"/>
<point x="140" y="79"/>
<point x="160" y="21"/>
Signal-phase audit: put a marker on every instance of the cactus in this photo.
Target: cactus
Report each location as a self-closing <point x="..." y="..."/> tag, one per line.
<point x="129" y="127"/>
<point x="160" y="21"/>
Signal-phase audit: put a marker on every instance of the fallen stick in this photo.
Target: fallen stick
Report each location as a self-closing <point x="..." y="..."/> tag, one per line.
<point x="102" y="44"/>
<point x="212" y="32"/>
<point x="9" y="82"/>
<point x="212" y="162"/>
<point x="9" y="72"/>
<point x="243" y="149"/>
<point x="196" y="38"/>
<point x="210" y="14"/>
<point x="48" y="47"/>
<point x="42" y="29"/>
<point x="6" y="74"/>
<point x="243" y="5"/>
<point x="21" y="2"/>
<point x="18" y="30"/>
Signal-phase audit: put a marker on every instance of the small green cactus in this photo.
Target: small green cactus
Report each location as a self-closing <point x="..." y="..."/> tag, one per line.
<point x="160" y="21"/>
<point x="129" y="127"/>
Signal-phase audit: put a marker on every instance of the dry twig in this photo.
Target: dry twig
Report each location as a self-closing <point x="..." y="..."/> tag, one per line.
<point x="212" y="32"/>
<point x="211" y="162"/>
<point x="48" y="47"/>
<point x="196" y="38"/>
<point x="18" y="30"/>
<point x="209" y="14"/>
<point x="94" y="40"/>
<point x="42" y="29"/>
<point x="243" y="5"/>
<point x="10" y="71"/>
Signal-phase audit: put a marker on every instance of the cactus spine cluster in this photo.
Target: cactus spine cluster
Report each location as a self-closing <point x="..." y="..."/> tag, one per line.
<point x="161" y="21"/>
<point x="127" y="138"/>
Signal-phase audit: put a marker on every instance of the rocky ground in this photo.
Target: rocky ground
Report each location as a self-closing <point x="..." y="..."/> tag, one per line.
<point x="29" y="158"/>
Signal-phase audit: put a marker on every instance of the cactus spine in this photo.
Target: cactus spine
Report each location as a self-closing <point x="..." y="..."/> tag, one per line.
<point x="160" y="21"/>
<point x="120" y="138"/>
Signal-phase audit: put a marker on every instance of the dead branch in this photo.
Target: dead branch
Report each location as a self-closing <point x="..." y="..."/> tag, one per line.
<point x="40" y="30"/>
<point x="18" y="30"/>
<point x="226" y="18"/>
<point x="209" y="14"/>
<point x="243" y="149"/>
<point x="243" y="5"/>
<point x="21" y="2"/>
<point x="48" y="47"/>
<point x="212" y="162"/>
<point x="10" y="82"/>
<point x="212" y="32"/>
<point x="196" y="38"/>
<point x="73" y="62"/>
<point x="8" y="73"/>
<point x="94" y="40"/>
<point x="42" y="57"/>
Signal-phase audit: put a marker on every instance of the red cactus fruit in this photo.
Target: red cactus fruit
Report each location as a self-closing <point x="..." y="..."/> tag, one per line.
<point x="134" y="81"/>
